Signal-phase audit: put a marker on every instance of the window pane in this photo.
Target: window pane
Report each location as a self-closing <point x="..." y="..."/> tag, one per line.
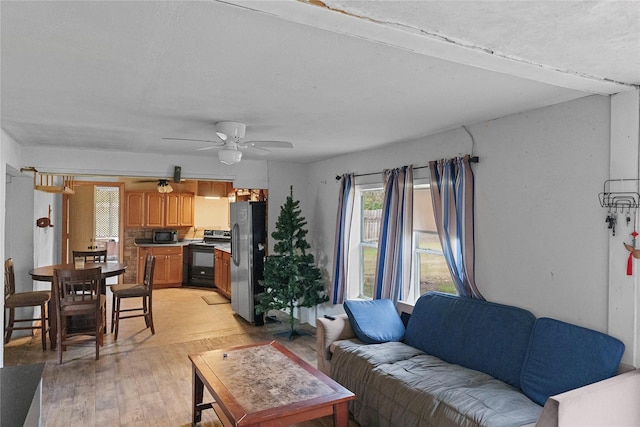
<point x="369" y="256"/>
<point x="107" y="212"/>
<point x="434" y="274"/>
<point x="370" y="217"/>
<point x="430" y="270"/>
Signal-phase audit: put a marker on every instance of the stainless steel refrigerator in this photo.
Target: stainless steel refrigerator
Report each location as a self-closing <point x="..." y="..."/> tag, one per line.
<point x="248" y="240"/>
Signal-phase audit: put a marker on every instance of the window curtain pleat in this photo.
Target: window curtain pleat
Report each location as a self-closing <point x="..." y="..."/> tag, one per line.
<point x="395" y="244"/>
<point x="343" y="235"/>
<point x="452" y="194"/>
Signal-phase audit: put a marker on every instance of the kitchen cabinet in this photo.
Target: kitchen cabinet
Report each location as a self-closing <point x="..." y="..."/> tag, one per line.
<point x="168" y="269"/>
<point x="222" y="272"/>
<point x="155" y="210"/>
<point x="134" y="212"/>
<point x="187" y="208"/>
<point x="172" y="211"/>
<point x="214" y="188"/>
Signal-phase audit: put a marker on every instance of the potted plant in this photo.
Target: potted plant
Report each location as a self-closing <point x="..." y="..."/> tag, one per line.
<point x="291" y="279"/>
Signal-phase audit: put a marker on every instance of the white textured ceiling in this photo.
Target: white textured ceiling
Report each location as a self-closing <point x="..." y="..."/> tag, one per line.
<point x="332" y="80"/>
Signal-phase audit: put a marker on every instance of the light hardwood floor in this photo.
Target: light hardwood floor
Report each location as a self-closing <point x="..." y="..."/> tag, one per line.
<point x="144" y="379"/>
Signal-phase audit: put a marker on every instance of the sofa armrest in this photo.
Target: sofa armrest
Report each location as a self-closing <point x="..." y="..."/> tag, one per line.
<point x="611" y="402"/>
<point x="328" y="331"/>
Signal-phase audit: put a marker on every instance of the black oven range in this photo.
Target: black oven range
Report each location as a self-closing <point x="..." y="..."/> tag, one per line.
<point x="200" y="266"/>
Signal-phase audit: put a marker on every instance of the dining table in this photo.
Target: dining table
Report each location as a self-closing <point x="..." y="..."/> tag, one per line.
<point x="45" y="274"/>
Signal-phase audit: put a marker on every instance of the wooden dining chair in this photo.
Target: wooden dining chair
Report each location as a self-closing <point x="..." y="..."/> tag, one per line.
<point x="80" y="308"/>
<point x="142" y="290"/>
<point x="14" y="300"/>
<point x="92" y="256"/>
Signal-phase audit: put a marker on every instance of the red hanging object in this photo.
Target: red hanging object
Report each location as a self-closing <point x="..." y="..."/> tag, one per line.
<point x="632" y="251"/>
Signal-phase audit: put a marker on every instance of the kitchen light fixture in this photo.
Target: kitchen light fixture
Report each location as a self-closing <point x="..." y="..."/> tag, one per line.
<point x="229" y="154"/>
<point x="164" y="186"/>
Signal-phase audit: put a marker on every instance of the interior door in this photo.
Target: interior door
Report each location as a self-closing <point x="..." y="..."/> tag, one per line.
<point x="81" y="220"/>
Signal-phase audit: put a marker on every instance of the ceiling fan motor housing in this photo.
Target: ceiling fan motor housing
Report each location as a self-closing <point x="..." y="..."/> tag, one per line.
<point x="233" y="130"/>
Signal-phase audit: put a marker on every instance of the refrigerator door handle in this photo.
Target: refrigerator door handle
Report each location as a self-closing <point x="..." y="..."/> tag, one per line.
<point x="235" y="235"/>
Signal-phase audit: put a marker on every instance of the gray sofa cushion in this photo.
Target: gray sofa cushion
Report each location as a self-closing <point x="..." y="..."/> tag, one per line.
<point x="397" y="385"/>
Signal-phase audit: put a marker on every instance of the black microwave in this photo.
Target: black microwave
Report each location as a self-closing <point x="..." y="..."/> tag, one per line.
<point x="165" y="236"/>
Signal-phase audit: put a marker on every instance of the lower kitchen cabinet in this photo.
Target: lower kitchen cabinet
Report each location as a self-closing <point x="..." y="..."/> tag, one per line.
<point x="168" y="269"/>
<point x="222" y="272"/>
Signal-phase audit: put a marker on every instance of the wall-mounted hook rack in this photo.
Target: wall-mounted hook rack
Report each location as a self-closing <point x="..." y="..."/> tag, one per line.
<point x="620" y="201"/>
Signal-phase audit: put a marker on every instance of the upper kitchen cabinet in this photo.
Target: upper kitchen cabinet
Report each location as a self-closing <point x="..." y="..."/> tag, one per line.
<point x="179" y="211"/>
<point x="214" y="188"/>
<point x="154" y="210"/>
<point x="134" y="209"/>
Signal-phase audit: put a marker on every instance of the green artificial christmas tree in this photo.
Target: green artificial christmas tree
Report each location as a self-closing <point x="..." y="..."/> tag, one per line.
<point x="291" y="279"/>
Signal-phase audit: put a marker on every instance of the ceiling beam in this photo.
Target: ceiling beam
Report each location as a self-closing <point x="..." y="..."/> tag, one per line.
<point x="316" y="14"/>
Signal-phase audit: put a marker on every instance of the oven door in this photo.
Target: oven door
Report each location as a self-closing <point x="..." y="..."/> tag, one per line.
<point x="201" y="264"/>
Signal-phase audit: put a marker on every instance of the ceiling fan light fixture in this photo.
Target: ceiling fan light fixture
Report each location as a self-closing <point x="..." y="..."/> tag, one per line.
<point x="164" y="186"/>
<point x="229" y="156"/>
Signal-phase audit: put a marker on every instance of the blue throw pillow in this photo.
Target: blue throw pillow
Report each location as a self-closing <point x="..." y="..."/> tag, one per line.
<point x="374" y="321"/>
<point x="562" y="357"/>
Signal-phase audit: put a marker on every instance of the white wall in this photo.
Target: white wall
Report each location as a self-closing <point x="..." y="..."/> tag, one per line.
<point x="10" y="155"/>
<point x="246" y="174"/>
<point x="541" y="240"/>
<point x="18" y="243"/>
<point x="624" y="290"/>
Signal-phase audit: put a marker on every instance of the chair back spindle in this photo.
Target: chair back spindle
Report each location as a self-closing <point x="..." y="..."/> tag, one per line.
<point x="91" y="256"/>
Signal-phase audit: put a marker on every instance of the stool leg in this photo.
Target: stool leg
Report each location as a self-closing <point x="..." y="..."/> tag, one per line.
<point x="9" y="331"/>
<point x="153" y="330"/>
<point x="115" y="337"/>
<point x="113" y="310"/>
<point x="43" y="324"/>
<point x="145" y="311"/>
<point x="53" y="330"/>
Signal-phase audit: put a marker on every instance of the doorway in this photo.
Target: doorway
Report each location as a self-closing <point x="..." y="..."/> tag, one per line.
<point x="92" y="219"/>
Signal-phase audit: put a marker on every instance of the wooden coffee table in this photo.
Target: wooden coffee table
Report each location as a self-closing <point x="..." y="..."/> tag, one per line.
<point x="265" y="385"/>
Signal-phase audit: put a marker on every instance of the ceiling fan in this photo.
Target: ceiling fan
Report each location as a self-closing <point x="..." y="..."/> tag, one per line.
<point x="230" y="146"/>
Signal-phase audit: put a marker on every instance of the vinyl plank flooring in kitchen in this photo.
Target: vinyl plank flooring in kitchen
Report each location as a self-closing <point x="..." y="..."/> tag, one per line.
<point x="144" y="379"/>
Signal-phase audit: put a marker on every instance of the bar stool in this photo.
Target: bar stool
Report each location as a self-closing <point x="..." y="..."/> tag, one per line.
<point x="13" y="300"/>
<point x="135" y="290"/>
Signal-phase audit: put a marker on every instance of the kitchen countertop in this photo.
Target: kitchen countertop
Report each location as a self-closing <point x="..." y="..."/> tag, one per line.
<point x="149" y="243"/>
<point x="223" y="247"/>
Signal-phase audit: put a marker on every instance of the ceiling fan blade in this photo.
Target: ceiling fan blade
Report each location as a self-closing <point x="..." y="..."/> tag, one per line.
<point x="208" y="148"/>
<point x="267" y="144"/>
<point x="255" y="149"/>
<point x="196" y="140"/>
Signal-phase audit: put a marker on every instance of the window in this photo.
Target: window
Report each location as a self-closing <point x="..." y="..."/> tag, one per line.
<point x="370" y="216"/>
<point x="107" y="212"/>
<point x="430" y="271"/>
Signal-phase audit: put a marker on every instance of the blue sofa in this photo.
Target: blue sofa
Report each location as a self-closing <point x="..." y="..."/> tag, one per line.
<point x="459" y="362"/>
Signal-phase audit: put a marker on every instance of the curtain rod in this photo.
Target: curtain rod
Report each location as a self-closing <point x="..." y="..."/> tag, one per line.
<point x="474" y="159"/>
